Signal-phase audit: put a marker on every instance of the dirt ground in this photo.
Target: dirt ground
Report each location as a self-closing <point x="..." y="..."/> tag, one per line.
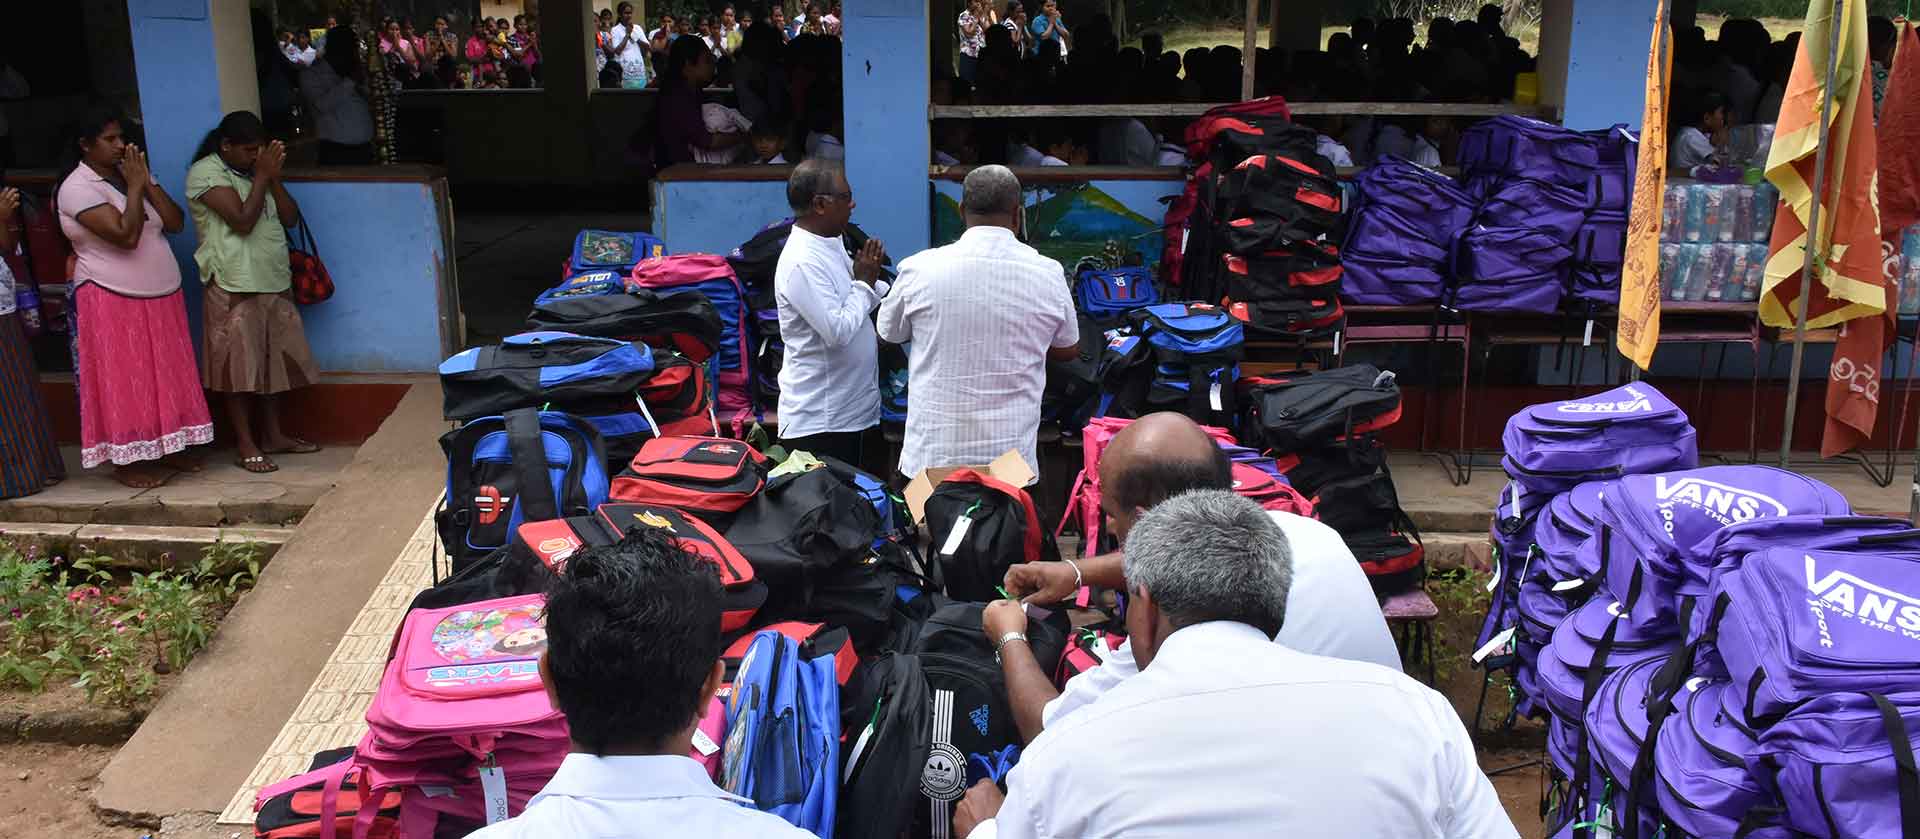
<point x="44" y="791"/>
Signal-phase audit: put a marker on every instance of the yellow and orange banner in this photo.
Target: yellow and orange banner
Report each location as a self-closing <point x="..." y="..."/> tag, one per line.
<point x="1639" y="327"/>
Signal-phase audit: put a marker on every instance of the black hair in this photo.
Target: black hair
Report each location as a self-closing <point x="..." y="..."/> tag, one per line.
<point x="88" y="127"/>
<point x="623" y="8"/>
<point x="1157" y="476"/>
<point x="633" y="630"/>
<point x="343" y="51"/>
<point x="238" y="128"/>
<point x="684" y="53"/>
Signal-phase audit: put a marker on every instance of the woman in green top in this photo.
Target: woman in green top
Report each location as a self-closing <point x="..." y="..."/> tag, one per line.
<point x="255" y="346"/>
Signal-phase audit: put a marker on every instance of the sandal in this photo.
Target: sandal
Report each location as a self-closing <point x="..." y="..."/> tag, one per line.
<point x="295" y="445"/>
<point x="258" y="464"/>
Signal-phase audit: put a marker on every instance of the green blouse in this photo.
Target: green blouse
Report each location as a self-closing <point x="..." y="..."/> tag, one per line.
<point x="255" y="263"/>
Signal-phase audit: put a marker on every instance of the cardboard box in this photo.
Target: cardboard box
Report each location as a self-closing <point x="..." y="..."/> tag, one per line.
<point x="1009" y="467"/>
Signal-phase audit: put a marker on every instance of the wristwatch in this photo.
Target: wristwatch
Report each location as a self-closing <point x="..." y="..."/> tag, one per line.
<point x="1011" y="636"/>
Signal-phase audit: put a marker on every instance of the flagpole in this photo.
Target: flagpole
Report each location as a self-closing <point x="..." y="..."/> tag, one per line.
<point x="1815" y="258"/>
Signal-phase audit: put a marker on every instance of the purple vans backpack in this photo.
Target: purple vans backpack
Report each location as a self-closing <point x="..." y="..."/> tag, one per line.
<point x="1660" y="523"/>
<point x="1509" y="269"/>
<point x="1617" y="726"/>
<point x="1390" y="281"/>
<point x="1843" y="765"/>
<point x="1554" y="446"/>
<point x="1555" y="210"/>
<point x="1428" y="201"/>
<point x="1792" y="624"/>
<point x="1702" y="782"/>
<point x="1522" y="147"/>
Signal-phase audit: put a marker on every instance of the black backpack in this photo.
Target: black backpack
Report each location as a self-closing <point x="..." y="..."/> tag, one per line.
<point x="887" y="718"/>
<point x="1308" y="470"/>
<point x="685" y="323"/>
<point x="1307" y="410"/>
<point x="973" y="734"/>
<point x="540" y="368"/>
<point x="1001" y="527"/>
<point x="1365" y="510"/>
<point x="799" y="527"/>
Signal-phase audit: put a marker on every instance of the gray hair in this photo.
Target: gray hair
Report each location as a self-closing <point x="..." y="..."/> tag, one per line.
<point x="811" y="179"/>
<point x="990" y="189"/>
<point x="1211" y="555"/>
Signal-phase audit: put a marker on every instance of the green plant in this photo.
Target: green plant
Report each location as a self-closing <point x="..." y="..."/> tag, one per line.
<point x="71" y="619"/>
<point x="1461" y="595"/>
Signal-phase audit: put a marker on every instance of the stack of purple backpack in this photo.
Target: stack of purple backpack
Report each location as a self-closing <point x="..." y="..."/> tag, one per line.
<point x="1552" y="215"/>
<point x="1724" y="651"/>
<point x="1400" y="240"/>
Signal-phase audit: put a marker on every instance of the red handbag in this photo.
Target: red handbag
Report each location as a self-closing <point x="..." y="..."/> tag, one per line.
<point x="311" y="282"/>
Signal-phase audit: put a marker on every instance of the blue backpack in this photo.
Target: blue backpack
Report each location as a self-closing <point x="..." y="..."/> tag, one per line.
<point x="783" y="733"/>
<point x="1196" y="351"/>
<point x="611" y="250"/>
<point x="495" y="479"/>
<point x="537" y="368"/>
<point x="1108" y="294"/>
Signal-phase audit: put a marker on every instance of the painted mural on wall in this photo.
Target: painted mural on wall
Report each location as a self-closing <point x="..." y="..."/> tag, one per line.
<point x="1070" y="222"/>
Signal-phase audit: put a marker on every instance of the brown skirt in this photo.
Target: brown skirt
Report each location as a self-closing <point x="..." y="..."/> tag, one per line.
<point x="254" y="343"/>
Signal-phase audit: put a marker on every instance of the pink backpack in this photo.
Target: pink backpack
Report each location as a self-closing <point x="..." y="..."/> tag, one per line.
<point x="1084" y="498"/>
<point x="462" y="694"/>
<point x="711" y="275"/>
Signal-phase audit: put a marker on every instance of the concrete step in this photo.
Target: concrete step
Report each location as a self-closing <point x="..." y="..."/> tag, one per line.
<point x="143" y="547"/>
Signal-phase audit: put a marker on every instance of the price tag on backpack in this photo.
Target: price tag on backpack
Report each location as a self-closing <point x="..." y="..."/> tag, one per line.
<point x="859" y="751"/>
<point x="1499" y="559"/>
<point x="1500" y="642"/>
<point x="956" y="535"/>
<point x="1587" y="339"/>
<point x="493" y="787"/>
<point x="1565" y="585"/>
<point x="1336" y="342"/>
<point x="1213" y="396"/>
<point x="704" y="744"/>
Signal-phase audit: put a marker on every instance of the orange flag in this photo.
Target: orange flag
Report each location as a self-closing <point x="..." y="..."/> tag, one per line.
<point x="1849" y="286"/>
<point x="1638" y="331"/>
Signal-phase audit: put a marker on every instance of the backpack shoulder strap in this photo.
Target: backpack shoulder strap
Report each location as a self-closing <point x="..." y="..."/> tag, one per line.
<point x="1908" y="777"/>
<point x="537" y="502"/>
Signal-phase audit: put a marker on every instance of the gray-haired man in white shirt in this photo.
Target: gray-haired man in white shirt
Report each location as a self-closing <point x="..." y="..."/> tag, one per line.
<point x="1224" y="733"/>
<point x="983" y="316"/>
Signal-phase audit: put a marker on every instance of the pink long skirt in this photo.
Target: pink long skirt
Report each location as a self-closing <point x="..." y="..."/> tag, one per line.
<point x="140" y="396"/>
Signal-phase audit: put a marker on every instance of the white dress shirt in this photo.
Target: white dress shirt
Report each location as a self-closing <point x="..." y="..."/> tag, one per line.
<point x="1226" y="734"/>
<point x="981" y="314"/>
<point x="830" y="378"/>
<point x="638" y="796"/>
<point x="1331" y="611"/>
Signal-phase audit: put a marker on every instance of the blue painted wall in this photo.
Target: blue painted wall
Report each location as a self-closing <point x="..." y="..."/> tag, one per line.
<point x="173" y="51"/>
<point x="383" y="246"/>
<point x="886" y="68"/>
<point x="1606" y="74"/>
<point x="716" y="216"/>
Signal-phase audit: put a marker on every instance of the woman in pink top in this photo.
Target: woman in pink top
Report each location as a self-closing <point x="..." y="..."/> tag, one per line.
<point x="141" y="404"/>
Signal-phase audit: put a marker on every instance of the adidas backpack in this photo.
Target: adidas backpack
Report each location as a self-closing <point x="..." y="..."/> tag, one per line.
<point x="524" y="466"/>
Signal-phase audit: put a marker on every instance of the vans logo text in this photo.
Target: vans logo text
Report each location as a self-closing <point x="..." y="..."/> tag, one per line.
<point x="1638" y="403"/>
<point x="1727" y="504"/>
<point x="1870" y="604"/>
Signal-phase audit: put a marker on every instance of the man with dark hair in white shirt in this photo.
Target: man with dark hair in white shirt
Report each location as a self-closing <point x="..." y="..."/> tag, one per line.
<point x="1331" y="610"/>
<point x="983" y="316"/>
<point x="1224" y="733"/>
<point x="830" y="377"/>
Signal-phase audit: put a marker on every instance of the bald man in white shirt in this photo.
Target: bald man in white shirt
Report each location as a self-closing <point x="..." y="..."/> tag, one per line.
<point x="1224" y="733"/>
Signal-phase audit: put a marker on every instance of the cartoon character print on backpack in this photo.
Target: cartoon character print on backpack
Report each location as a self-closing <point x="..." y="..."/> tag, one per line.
<point x="475" y="634"/>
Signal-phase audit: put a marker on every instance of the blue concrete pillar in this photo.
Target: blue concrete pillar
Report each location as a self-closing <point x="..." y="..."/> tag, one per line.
<point x="194" y="60"/>
<point x="1598" y="44"/>
<point x="886" y="68"/>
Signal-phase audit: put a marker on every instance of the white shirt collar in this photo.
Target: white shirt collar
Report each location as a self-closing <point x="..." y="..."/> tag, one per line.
<point x="1202" y="635"/>
<point x="632" y="778"/>
<point x="986" y="233"/>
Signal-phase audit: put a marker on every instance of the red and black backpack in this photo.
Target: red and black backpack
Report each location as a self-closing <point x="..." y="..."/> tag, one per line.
<point x="552" y="543"/>
<point x="702" y="475"/>
<point x="295" y="814"/>
<point x="980" y="526"/>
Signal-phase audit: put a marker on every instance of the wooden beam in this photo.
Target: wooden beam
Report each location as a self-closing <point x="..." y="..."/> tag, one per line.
<point x="1190" y="109"/>
<point x="1247" y="50"/>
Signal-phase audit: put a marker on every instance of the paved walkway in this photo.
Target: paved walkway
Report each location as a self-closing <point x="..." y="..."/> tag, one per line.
<point x="221" y="493"/>
<point x="201" y="742"/>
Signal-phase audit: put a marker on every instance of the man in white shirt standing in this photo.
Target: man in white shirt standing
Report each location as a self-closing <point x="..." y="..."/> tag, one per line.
<point x="1224" y="733"/>
<point x="983" y="315"/>
<point x="830" y="380"/>
<point x="633" y="661"/>
<point x="1331" y="609"/>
